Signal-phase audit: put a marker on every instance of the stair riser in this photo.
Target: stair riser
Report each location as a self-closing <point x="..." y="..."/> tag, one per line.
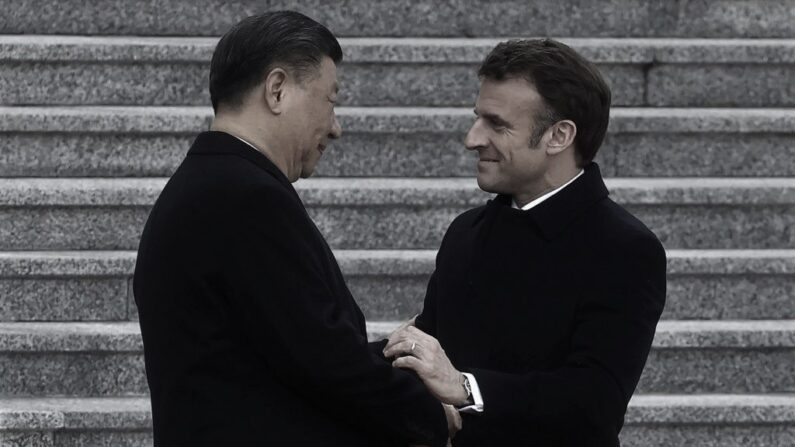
<point x="78" y="438"/>
<point x="712" y="18"/>
<point x="721" y="86"/>
<point x="418" y="154"/>
<point x="402" y="84"/>
<point x="693" y="370"/>
<point x="396" y="227"/>
<point x="405" y="84"/>
<point x="75" y="374"/>
<point x="64" y="299"/>
<point x="394" y="297"/>
<point x="724" y="435"/>
<point x="720" y="370"/>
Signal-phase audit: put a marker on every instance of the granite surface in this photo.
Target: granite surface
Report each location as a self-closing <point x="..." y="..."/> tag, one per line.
<point x="84" y="374"/>
<point x="654" y="417"/>
<point x="78" y="413"/>
<point x="681" y="263"/>
<point x="117" y="337"/>
<point x="80" y="438"/>
<point x="696" y="120"/>
<point x="390" y="284"/>
<point x="71" y="228"/>
<point x="103" y="84"/>
<point x="105" y="359"/>
<point x="397" y="293"/>
<point x="711" y="408"/>
<point x="108" y="214"/>
<point x="190" y="120"/>
<point x="735" y="297"/>
<point x="405" y="49"/>
<point x="419" y="154"/>
<point x="702" y="155"/>
<point x="721" y="86"/>
<point x="132" y="308"/>
<point x="369" y="84"/>
<point x="142" y="192"/>
<point x="91" y="155"/>
<point x="27" y="264"/>
<point x="719" y="226"/>
<point x="57" y="299"/>
<point x="718" y="371"/>
<point x="739" y="18"/>
<point x="388" y="297"/>
<point x="723" y="435"/>
<point x="26" y="438"/>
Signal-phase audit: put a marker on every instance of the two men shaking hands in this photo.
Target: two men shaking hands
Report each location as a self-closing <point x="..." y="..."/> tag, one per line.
<point x="537" y="320"/>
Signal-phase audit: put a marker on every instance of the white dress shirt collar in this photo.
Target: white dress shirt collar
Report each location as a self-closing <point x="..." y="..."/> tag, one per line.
<point x="545" y="196"/>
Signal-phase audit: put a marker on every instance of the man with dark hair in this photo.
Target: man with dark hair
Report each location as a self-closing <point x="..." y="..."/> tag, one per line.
<point x="547" y="297"/>
<point x="250" y="335"/>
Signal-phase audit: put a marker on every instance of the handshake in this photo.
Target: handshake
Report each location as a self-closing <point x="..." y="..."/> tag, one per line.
<point x="411" y="348"/>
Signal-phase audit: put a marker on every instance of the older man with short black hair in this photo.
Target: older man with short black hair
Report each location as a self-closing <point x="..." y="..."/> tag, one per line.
<point x="250" y="335"/>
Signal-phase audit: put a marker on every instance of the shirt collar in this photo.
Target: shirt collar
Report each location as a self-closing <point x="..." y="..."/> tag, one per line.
<point x="547" y="195"/>
<point x="255" y="147"/>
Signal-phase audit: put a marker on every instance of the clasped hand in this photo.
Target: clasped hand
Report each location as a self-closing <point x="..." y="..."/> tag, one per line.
<point x="413" y="349"/>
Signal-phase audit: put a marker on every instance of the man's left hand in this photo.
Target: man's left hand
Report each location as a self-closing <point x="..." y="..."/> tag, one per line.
<point x="422" y="353"/>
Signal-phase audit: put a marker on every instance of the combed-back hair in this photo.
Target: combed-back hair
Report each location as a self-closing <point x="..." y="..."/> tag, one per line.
<point x="571" y="86"/>
<point x="251" y="49"/>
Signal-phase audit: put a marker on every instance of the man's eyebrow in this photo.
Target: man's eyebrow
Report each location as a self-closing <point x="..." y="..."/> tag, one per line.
<point x="494" y="118"/>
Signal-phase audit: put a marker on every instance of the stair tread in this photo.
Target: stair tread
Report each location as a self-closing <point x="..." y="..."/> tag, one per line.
<point x="122" y="262"/>
<point x="192" y="119"/>
<point x="401" y="191"/>
<point x="124" y="336"/>
<point x="32" y="47"/>
<point x="134" y="412"/>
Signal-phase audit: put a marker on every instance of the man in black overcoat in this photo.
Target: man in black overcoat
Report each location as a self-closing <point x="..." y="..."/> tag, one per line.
<point x="542" y="309"/>
<point x="250" y="334"/>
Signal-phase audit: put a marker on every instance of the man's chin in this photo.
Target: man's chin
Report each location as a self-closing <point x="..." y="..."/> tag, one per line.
<point x="488" y="186"/>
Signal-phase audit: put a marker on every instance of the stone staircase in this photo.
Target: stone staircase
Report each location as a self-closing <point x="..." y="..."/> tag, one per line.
<point x="100" y="100"/>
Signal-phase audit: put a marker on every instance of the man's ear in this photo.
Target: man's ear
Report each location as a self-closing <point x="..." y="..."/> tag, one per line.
<point x="274" y="91"/>
<point x="561" y="136"/>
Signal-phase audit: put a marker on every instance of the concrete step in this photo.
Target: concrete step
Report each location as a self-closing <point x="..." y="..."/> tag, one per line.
<point x="389" y="142"/>
<point x="708" y="18"/>
<point x="708" y="356"/>
<point x="709" y="420"/>
<point x="390" y="284"/>
<point x="106" y="359"/>
<point x="69" y="70"/>
<point x="75" y="421"/>
<point x="379" y="213"/>
<point x="652" y="420"/>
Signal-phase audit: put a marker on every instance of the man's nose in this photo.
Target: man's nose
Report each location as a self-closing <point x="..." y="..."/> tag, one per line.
<point x="475" y="137"/>
<point x="336" y="129"/>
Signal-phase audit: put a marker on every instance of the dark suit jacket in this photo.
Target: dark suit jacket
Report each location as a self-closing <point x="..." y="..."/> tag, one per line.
<point x="553" y="310"/>
<point x="250" y="334"/>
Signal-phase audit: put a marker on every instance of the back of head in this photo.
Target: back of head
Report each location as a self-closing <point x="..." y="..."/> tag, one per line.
<point x="252" y="48"/>
<point x="571" y="86"/>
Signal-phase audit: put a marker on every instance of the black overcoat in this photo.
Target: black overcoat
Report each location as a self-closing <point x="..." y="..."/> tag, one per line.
<point x="552" y="309"/>
<point x="250" y="334"/>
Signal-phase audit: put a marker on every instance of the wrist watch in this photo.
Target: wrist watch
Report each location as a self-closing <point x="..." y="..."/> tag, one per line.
<point x="467" y="387"/>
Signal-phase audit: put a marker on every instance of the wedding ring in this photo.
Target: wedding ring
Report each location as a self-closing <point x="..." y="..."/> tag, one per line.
<point x="413" y="345"/>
